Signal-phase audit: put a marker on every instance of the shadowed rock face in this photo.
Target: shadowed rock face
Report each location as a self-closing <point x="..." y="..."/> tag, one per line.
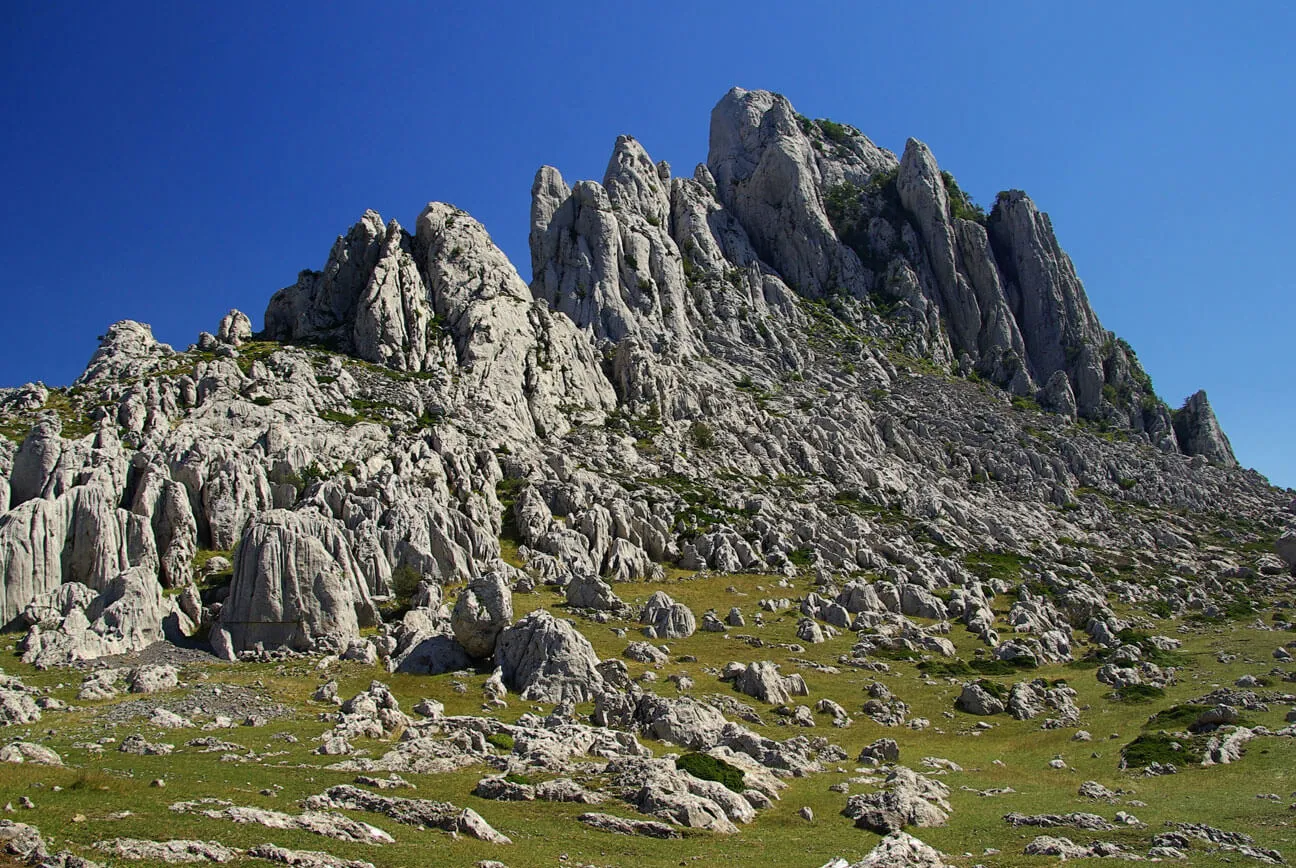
<point x="1199" y="431"/>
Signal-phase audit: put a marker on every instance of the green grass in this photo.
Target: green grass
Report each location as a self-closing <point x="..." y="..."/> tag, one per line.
<point x="709" y="768"/>
<point x="1160" y="748"/>
<point x="995" y="565"/>
<point x="1136" y="693"/>
<point x="1222" y="796"/>
<point x="501" y="740"/>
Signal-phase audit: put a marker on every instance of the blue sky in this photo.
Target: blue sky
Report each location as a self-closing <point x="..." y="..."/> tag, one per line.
<point x="166" y="162"/>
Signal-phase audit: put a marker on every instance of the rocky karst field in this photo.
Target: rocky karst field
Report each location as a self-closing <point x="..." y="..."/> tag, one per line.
<point x="798" y="511"/>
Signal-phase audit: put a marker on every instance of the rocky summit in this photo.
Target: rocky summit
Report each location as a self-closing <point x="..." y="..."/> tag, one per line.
<point x="799" y="508"/>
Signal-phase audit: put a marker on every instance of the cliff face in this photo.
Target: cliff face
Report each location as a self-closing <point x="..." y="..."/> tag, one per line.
<point x="780" y="360"/>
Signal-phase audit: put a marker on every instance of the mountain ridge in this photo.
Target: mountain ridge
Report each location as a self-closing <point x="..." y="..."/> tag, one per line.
<point x="808" y="407"/>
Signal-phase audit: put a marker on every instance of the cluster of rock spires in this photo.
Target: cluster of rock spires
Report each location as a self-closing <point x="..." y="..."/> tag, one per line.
<point x="806" y="307"/>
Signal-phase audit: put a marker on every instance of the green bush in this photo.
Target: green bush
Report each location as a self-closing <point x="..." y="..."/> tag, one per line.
<point x="945" y="668"/>
<point x="995" y="565"/>
<point x="709" y="768"/>
<point x="1136" y="693"/>
<point x="702" y="435"/>
<point x="960" y="203"/>
<point x="1003" y="667"/>
<point x="834" y="132"/>
<point x="515" y="778"/>
<point x="994" y="688"/>
<point x="1176" y="717"/>
<point x="802" y="557"/>
<point x="1157" y="748"/>
<point x="404" y="582"/>
<point x="501" y="740"/>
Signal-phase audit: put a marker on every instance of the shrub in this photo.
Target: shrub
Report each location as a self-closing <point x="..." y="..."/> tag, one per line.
<point x="945" y="668"/>
<point x="1176" y="717"/>
<point x="1003" y="667"/>
<point x="995" y="565"/>
<point x="802" y="557"/>
<point x="994" y="688"/>
<point x="404" y="582"/>
<point x="960" y="204"/>
<point x="703" y="436"/>
<point x="1136" y="693"/>
<point x="834" y="132"/>
<point x="1157" y="748"/>
<point x="709" y="768"/>
<point x="515" y="778"/>
<point x="501" y="740"/>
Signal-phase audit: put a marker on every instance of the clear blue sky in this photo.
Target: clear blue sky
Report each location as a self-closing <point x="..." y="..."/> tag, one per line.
<point x="168" y="161"/>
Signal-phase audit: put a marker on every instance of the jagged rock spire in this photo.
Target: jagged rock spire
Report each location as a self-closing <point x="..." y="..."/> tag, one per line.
<point x="1199" y="432"/>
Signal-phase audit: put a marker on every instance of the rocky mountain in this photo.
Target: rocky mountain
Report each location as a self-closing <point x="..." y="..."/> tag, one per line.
<point x="810" y="360"/>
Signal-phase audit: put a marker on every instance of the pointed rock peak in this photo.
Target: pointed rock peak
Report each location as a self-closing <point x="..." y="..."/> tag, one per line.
<point x="370" y="222"/>
<point x="361" y="241"/>
<point x="549" y="193"/>
<point x="549" y="183"/>
<point x="461" y="259"/>
<point x="634" y="183"/>
<point x="743" y="124"/>
<point x="703" y="176"/>
<point x="1199" y="432"/>
<point x="1015" y="200"/>
<point x="128" y="349"/>
<point x="919" y="181"/>
<point x="324" y="306"/>
<point x="235" y="328"/>
<point x="918" y="157"/>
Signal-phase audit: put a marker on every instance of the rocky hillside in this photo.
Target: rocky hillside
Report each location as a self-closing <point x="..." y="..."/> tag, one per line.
<point x="810" y="361"/>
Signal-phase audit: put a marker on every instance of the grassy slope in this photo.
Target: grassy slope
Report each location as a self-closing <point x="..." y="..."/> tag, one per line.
<point x="97" y="786"/>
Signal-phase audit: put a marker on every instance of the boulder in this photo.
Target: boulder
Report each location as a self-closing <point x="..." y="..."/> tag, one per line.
<point x="547" y="660"/>
<point x="591" y="592"/>
<point x="975" y="699"/>
<point x="1286" y="548"/>
<point x="897" y="850"/>
<point x="1199" y="432"/>
<point x="295" y="582"/>
<point x="481" y="613"/>
<point x="667" y="619"/>
<point x="906" y="799"/>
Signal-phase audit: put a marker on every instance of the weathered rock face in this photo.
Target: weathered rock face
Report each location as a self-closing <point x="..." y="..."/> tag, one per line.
<point x="547" y="660"/>
<point x="445" y="299"/>
<point x="73" y="623"/>
<point x="1199" y="432"/>
<point x="967" y="284"/>
<point x="766" y="173"/>
<point x="667" y="619"/>
<point x="1059" y="329"/>
<point x="78" y="536"/>
<point x="833" y="214"/>
<point x="481" y="613"/>
<point x="800" y="308"/>
<point x="295" y="581"/>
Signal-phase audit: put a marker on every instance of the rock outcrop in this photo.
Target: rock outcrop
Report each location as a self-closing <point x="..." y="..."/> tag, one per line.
<point x="295" y="582"/>
<point x="1199" y="432"/>
<point x="547" y="660"/>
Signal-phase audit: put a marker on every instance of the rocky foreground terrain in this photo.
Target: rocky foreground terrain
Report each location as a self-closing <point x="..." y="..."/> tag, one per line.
<point x="798" y="511"/>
